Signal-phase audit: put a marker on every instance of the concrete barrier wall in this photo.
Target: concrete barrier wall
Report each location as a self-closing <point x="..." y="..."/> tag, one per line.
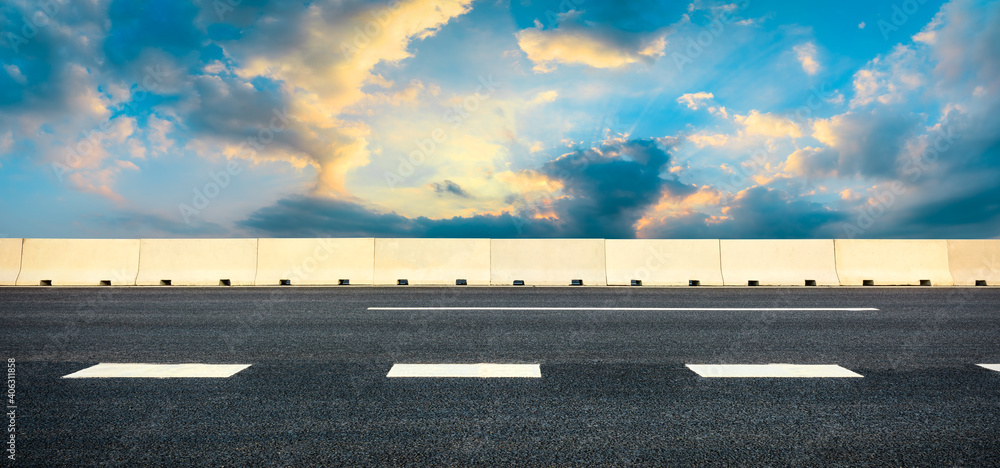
<point x="557" y="262"/>
<point x="974" y="260"/>
<point x="432" y="261"/>
<point x="661" y="262"/>
<point x="79" y="262"/>
<point x="10" y="261"/>
<point x="779" y="262"/>
<point x="548" y="262"/>
<point x="314" y="261"/>
<point x="892" y="262"/>
<point x="197" y="262"/>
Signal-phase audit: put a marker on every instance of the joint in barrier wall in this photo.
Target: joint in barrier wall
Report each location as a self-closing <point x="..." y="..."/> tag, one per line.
<point x="892" y="262"/>
<point x="432" y="261"/>
<point x="10" y="261"/>
<point x="197" y="262"/>
<point x="79" y="262"/>
<point x="320" y="261"/>
<point x="548" y="262"/>
<point x="663" y="262"/>
<point x="792" y="262"/>
<point x="974" y="262"/>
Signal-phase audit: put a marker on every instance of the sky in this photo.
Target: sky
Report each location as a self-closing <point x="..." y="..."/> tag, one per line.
<point x="500" y="119"/>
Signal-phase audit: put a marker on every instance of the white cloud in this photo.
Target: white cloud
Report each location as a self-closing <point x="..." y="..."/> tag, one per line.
<point x="6" y="142"/>
<point x="806" y="54"/>
<point x="126" y="165"/>
<point x="573" y="42"/>
<point x="702" y="140"/>
<point x="812" y="162"/>
<point x="544" y="97"/>
<point x="15" y="74"/>
<point x="695" y="100"/>
<point x="766" y="124"/>
<point x="889" y="79"/>
<point x="926" y="37"/>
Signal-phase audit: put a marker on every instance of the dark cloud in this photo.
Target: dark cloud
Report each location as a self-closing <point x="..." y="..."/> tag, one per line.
<point x="44" y="56"/>
<point x="320" y="217"/>
<point x="759" y="213"/>
<point x="611" y="186"/>
<point x="974" y="214"/>
<point x="134" y="224"/>
<point x="448" y="186"/>
<point x="607" y="190"/>
<point x="870" y="143"/>
<point x="167" y="25"/>
<point x="951" y="188"/>
<point x="225" y="106"/>
<point x="951" y="194"/>
<point x="317" y="217"/>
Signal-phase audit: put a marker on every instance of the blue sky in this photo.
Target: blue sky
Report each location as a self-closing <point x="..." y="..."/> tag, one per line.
<point x="519" y="118"/>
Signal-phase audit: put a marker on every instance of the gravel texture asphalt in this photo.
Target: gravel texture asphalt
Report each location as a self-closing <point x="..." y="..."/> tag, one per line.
<point x="614" y="389"/>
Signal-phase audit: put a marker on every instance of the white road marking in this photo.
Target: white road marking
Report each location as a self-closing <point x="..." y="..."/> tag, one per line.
<point x="770" y="370"/>
<point x="748" y="309"/>
<point x="992" y="367"/>
<point x="481" y="370"/>
<point x="157" y="371"/>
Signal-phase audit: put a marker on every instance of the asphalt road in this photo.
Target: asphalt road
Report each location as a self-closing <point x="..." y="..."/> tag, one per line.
<point x="614" y="386"/>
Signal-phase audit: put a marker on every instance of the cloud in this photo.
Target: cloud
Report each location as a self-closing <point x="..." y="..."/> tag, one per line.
<point x="449" y="187"/>
<point x="806" y="53"/>
<point x="919" y="125"/>
<point x="600" y="192"/>
<point x="769" y="125"/>
<point x="596" y="45"/>
<point x="544" y="97"/>
<point x="129" y="223"/>
<point x="703" y="139"/>
<point x="812" y="162"/>
<point x="323" y="217"/>
<point x="971" y="213"/>
<point x="128" y="165"/>
<point x="321" y="64"/>
<point x="755" y="213"/>
<point x="608" y="188"/>
<point x="695" y="100"/>
<point x="97" y="182"/>
<point x="890" y="79"/>
<point x="869" y="144"/>
<point x="167" y="25"/>
<point x="6" y="142"/>
<point x="849" y="195"/>
<point x="359" y="97"/>
<point x="15" y="74"/>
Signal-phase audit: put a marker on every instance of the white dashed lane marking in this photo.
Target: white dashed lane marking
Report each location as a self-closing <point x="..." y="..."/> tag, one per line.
<point x="481" y="370"/>
<point x="157" y="371"/>
<point x="654" y="309"/>
<point x="770" y="370"/>
<point x="992" y="367"/>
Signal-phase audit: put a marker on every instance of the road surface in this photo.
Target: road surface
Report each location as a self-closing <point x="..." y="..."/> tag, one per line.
<point x="614" y="386"/>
